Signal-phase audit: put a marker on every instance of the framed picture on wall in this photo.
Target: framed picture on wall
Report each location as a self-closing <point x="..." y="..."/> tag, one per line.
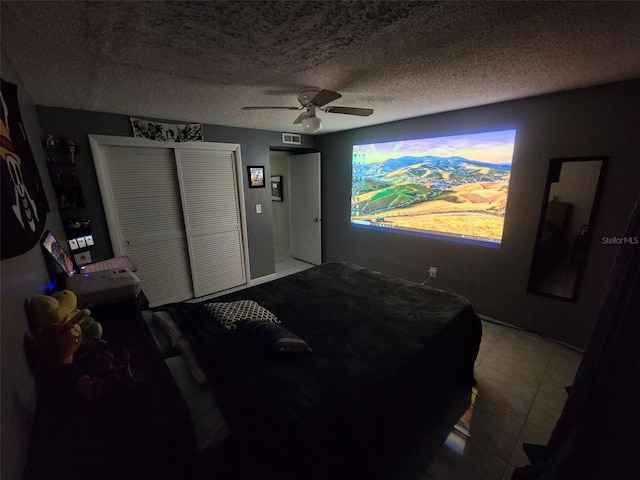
<point x="276" y="188"/>
<point x="256" y="176"/>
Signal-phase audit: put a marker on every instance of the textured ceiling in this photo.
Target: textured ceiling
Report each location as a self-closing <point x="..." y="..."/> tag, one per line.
<point x="202" y="61"/>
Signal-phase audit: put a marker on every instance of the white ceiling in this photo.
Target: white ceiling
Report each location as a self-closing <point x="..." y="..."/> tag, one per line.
<point x="202" y="61"/>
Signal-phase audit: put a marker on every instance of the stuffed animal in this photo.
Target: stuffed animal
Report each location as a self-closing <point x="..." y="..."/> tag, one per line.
<point x="52" y="353"/>
<point x="56" y="344"/>
<point x="59" y="374"/>
<point x="60" y="326"/>
<point x="44" y="310"/>
<point x="90" y="328"/>
<point x="67" y="365"/>
<point x="105" y="373"/>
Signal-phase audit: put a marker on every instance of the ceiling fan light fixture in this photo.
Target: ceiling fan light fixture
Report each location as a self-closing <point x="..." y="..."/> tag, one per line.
<point x="311" y="100"/>
<point x="311" y="124"/>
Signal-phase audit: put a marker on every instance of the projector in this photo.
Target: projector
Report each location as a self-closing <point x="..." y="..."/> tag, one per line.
<point x="98" y="288"/>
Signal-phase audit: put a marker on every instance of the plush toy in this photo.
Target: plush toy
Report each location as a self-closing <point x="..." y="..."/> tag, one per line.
<point x="56" y="344"/>
<point x="44" y="310"/>
<point x="105" y="373"/>
<point x="67" y="299"/>
<point x="56" y="334"/>
<point x="70" y="357"/>
<point x="90" y="328"/>
<point x="53" y="352"/>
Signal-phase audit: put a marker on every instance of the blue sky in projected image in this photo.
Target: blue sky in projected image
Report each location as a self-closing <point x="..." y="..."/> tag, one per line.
<point x="489" y="147"/>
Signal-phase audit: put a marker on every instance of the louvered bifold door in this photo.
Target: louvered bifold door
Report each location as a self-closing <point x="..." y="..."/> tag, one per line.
<point x="208" y="184"/>
<point x="146" y="194"/>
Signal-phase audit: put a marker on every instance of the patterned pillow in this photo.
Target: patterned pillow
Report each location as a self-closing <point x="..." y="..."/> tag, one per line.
<point x="230" y="314"/>
<point x="274" y="337"/>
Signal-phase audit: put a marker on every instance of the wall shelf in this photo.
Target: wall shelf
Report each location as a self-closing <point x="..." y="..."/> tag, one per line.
<point x="63" y="165"/>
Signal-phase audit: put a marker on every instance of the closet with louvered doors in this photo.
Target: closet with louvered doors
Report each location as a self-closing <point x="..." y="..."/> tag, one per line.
<point x="177" y="211"/>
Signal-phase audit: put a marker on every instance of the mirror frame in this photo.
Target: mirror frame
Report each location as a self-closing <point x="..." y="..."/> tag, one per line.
<point x="555" y="166"/>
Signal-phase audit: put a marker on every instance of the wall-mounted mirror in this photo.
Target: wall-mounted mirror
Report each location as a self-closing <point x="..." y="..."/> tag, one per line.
<point x="564" y="232"/>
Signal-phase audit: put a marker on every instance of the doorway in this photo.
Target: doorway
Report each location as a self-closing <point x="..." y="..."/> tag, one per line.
<point x="285" y="262"/>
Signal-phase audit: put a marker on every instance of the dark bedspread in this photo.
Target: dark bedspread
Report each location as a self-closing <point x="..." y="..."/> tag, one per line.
<point x="386" y="352"/>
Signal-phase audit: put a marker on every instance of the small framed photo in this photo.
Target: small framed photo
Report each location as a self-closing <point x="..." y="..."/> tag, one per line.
<point x="256" y="177"/>
<point x="276" y="188"/>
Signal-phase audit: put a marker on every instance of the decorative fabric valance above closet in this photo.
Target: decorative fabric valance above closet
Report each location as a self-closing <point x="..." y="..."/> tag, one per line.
<point x="177" y="210"/>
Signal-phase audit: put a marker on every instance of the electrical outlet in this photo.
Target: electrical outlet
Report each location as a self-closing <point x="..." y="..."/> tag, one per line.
<point x="433" y="272"/>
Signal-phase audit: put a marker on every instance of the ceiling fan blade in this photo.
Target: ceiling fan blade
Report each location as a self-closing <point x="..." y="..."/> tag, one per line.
<point x="362" y="112"/>
<point x="300" y="117"/>
<point x="325" y="96"/>
<point x="270" y="108"/>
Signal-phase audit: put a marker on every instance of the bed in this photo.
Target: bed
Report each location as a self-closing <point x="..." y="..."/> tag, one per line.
<point x="331" y="386"/>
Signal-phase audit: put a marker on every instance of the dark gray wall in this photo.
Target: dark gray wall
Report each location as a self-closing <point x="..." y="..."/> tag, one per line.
<point x="602" y="120"/>
<point x="22" y="277"/>
<point x="254" y="146"/>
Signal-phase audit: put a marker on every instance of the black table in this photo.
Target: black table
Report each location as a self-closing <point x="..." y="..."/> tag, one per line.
<point x="136" y="433"/>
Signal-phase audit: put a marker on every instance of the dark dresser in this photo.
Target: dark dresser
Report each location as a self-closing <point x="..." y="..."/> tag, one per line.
<point x="131" y="433"/>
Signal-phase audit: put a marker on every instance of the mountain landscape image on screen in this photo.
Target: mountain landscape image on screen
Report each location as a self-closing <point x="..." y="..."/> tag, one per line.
<point x="454" y="196"/>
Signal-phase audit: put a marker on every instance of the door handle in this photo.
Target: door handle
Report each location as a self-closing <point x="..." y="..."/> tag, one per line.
<point x="316" y="219"/>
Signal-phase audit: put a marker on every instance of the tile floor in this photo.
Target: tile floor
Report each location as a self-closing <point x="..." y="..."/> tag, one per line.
<point x="521" y="379"/>
<point x="520" y="392"/>
<point x="286" y="265"/>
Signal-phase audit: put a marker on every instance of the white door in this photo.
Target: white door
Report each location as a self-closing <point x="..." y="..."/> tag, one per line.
<point x="306" y="227"/>
<point x="212" y="219"/>
<point x="177" y="211"/>
<point x="145" y="219"/>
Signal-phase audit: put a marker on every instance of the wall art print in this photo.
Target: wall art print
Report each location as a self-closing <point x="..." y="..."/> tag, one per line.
<point x="256" y="176"/>
<point x="166" y="132"/>
<point x="23" y="200"/>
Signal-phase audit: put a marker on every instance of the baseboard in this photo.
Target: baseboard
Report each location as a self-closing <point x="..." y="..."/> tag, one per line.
<point x="251" y="283"/>
<point x="259" y="280"/>
<point x="493" y="320"/>
<point x="499" y="322"/>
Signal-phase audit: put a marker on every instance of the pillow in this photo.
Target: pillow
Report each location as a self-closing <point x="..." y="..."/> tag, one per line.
<point x="209" y="424"/>
<point x="162" y="340"/>
<point x="166" y="323"/>
<point x="275" y="337"/>
<point x="230" y="314"/>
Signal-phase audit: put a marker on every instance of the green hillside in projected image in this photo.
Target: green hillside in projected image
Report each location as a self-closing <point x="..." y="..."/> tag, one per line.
<point x="453" y="186"/>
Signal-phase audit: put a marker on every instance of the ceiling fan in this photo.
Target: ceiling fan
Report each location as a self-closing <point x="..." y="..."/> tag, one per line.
<point x="312" y="99"/>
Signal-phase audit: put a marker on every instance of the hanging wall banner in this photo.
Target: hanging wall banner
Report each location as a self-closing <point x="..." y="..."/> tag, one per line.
<point x="24" y="202"/>
<point x="166" y="132"/>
